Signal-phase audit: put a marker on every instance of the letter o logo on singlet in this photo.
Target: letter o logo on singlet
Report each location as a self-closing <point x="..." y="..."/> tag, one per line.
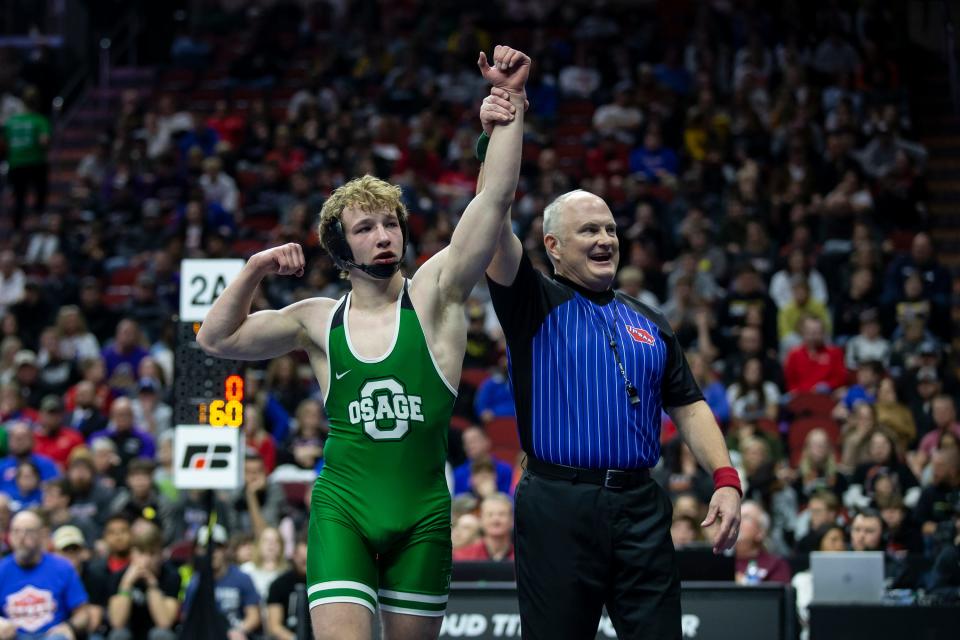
<point x="385" y="401"/>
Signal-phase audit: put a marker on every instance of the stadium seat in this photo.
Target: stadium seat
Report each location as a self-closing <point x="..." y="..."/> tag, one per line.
<point x="459" y="423"/>
<point x="768" y="426"/>
<point x="800" y="428"/>
<point x="474" y="377"/>
<point x="503" y="432"/>
<point x="811" y="404"/>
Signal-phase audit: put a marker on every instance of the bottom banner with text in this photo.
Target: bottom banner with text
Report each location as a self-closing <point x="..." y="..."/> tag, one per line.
<point x="711" y="610"/>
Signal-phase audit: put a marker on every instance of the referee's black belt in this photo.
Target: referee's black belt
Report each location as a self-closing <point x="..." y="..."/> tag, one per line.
<point x="609" y="478"/>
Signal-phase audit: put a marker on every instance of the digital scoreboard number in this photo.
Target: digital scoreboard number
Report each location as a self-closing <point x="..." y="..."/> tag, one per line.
<point x="207" y="390"/>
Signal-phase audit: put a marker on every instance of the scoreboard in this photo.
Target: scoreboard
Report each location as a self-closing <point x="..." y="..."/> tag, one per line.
<point x="208" y="391"/>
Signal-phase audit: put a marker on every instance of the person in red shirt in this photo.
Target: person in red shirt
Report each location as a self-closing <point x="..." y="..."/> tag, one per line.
<point x="496" y="522"/>
<point x="258" y="439"/>
<point x="814" y="365"/>
<point x="754" y="564"/>
<point x="53" y="439"/>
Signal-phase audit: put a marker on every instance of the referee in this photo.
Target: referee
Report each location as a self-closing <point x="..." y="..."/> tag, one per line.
<point x="591" y="370"/>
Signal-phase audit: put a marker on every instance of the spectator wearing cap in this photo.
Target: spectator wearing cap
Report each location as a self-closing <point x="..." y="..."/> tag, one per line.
<point x="235" y="594"/>
<point x="814" y="365"/>
<point x="144" y="598"/>
<point x="41" y="596"/>
<point x="927" y="386"/>
<point x="149" y="410"/>
<point x="55" y="505"/>
<point x="88" y="498"/>
<point x="130" y="440"/>
<point x="139" y="498"/>
<point x="26" y="373"/>
<point x="496" y="523"/>
<point x="86" y="417"/>
<point x="70" y="543"/>
<point x="943" y="413"/>
<point x="20" y="445"/>
<point x="53" y="439"/>
<point x="868" y="344"/>
<point x="12" y="281"/>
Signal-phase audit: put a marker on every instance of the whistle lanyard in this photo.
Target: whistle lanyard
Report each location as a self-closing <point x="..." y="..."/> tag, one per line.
<point x="612" y="343"/>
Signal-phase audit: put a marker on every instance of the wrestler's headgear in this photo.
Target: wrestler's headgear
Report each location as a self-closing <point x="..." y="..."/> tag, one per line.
<point x="334" y="238"/>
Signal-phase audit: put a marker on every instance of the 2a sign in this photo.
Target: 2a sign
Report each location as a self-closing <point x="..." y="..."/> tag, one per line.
<point x="201" y="283"/>
<point x="207" y="458"/>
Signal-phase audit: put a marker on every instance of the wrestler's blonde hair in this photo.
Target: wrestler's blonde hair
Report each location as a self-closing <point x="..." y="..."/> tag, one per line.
<point x="368" y="193"/>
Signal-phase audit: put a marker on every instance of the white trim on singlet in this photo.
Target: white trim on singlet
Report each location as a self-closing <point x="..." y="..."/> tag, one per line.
<point x="326" y="347"/>
<point x="396" y="332"/>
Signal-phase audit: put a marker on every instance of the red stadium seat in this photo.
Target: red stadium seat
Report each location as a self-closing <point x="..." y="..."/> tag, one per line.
<point x="811" y="404"/>
<point x="120" y="286"/>
<point x="506" y="454"/>
<point x="181" y="552"/>
<point x="459" y="423"/>
<point x="799" y="429"/>
<point x="295" y="492"/>
<point x="768" y="426"/>
<point x="246" y="248"/>
<point x="474" y="377"/>
<point x="503" y="432"/>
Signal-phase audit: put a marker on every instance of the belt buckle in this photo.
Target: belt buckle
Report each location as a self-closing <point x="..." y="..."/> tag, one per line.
<point x="614" y="479"/>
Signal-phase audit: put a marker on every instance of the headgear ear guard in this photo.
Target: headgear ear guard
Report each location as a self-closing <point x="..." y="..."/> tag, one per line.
<point x="335" y="241"/>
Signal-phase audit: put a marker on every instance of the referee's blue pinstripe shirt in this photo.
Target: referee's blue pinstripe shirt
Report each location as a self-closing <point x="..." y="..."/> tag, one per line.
<point x="572" y="404"/>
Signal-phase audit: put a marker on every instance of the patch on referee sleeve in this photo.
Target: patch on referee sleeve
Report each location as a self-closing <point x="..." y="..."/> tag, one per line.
<point x="342" y="591"/>
<point x="414" y="604"/>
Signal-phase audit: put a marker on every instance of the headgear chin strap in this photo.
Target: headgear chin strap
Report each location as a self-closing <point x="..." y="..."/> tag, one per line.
<point x="335" y="240"/>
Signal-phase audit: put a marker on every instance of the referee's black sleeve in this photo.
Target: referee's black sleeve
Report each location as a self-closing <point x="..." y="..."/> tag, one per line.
<point x="679" y="387"/>
<point x="520" y="306"/>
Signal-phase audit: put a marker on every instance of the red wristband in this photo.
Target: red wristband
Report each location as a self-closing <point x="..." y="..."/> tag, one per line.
<point x="727" y="477"/>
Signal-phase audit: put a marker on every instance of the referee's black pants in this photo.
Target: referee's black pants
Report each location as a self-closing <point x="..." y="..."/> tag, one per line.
<point x="581" y="546"/>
